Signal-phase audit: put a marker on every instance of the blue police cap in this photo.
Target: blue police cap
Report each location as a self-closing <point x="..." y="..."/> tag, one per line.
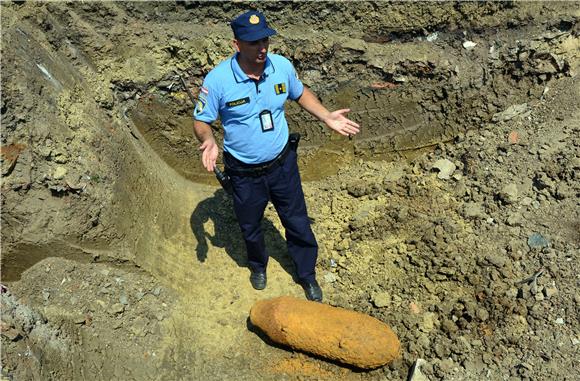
<point x="251" y="26"/>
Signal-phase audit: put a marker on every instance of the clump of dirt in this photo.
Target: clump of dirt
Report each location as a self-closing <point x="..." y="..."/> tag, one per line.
<point x="452" y="217"/>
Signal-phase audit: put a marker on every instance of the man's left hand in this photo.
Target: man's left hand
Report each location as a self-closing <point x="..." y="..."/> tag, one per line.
<point x="341" y="124"/>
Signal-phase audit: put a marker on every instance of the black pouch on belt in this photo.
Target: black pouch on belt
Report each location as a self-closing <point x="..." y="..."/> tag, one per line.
<point x="293" y="140"/>
<point x="224" y="180"/>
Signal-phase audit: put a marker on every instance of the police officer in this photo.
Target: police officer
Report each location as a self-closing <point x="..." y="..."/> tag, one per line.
<point x="247" y="92"/>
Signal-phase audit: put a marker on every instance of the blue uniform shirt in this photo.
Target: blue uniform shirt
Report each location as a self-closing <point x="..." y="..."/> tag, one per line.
<point x="244" y="105"/>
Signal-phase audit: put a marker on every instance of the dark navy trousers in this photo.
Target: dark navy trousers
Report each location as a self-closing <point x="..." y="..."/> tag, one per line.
<point x="283" y="187"/>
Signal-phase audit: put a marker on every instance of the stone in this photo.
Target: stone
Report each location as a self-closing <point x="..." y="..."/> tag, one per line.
<point x="527" y="201"/>
<point x="513" y="137"/>
<point x="469" y="45"/>
<point x="428" y="323"/>
<point x="97" y="305"/>
<point x="400" y="78"/>
<point x="476" y="343"/>
<point x="446" y="365"/>
<point x="9" y="332"/>
<point x="342" y="245"/>
<point x="515" y="327"/>
<point x="330" y="277"/>
<point x="512" y="292"/>
<point x="445" y="167"/>
<point x="515" y="220"/>
<point x="59" y="173"/>
<point x="511" y="112"/>
<point x="414" y="308"/>
<point x="432" y="37"/>
<point x="473" y="210"/>
<point x="441" y="350"/>
<point x="139" y="326"/>
<point x="525" y="291"/>
<point x="563" y="191"/>
<point x="537" y="241"/>
<point x="103" y="291"/>
<point x="60" y="157"/>
<point x="331" y="332"/>
<point x="550" y="292"/>
<point x="497" y="260"/>
<point x="381" y="299"/>
<point x="393" y="175"/>
<point x="416" y="374"/>
<point x="462" y="345"/>
<point x="355" y="44"/>
<point x="482" y="314"/>
<point x="509" y="193"/>
<point x="116" y="309"/>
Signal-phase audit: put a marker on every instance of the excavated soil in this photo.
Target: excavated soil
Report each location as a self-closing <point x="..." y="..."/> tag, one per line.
<point x="453" y="217"/>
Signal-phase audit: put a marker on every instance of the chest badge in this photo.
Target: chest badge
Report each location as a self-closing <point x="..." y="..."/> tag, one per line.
<point x="238" y="102"/>
<point x="280" y="88"/>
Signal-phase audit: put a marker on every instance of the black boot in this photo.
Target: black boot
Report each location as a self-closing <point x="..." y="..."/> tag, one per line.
<point x="313" y="291"/>
<point x="258" y="280"/>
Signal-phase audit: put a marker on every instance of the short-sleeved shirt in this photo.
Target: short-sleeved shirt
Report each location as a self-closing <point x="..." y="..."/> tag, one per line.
<point x="245" y="105"/>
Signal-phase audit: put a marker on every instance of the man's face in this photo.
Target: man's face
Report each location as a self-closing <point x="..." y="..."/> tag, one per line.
<point x="253" y="51"/>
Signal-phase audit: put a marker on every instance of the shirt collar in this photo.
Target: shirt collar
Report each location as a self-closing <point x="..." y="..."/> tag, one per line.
<point x="239" y="74"/>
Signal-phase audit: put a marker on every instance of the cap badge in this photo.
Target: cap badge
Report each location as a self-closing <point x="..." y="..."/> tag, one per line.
<point x="254" y="19"/>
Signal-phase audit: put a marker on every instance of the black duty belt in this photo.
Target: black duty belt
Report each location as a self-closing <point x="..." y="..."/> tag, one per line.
<point x="256" y="170"/>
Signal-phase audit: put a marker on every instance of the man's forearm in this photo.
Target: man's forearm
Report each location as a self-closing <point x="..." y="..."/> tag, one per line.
<point x="309" y="102"/>
<point x="202" y="131"/>
<point x="335" y="120"/>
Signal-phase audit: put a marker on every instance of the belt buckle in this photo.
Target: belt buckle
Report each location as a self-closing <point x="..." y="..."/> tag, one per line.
<point x="261" y="171"/>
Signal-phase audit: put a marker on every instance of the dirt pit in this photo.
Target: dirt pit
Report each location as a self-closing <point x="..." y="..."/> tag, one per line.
<point x="453" y="217"/>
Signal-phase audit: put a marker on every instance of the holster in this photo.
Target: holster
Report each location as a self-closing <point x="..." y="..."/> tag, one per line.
<point x="293" y="140"/>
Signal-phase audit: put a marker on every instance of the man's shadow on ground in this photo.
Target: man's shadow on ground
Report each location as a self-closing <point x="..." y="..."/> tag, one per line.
<point x="226" y="233"/>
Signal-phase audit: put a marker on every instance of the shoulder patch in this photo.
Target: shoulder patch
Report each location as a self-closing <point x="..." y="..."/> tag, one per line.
<point x="199" y="106"/>
<point x="280" y="88"/>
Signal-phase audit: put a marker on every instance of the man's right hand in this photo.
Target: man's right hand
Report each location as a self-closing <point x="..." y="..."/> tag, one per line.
<point x="209" y="154"/>
<point x="208" y="146"/>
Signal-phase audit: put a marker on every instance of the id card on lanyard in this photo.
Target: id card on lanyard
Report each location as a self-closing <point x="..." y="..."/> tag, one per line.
<point x="266" y="121"/>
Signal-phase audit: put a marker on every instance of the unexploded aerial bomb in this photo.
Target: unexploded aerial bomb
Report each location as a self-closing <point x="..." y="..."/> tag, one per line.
<point x="335" y="333"/>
